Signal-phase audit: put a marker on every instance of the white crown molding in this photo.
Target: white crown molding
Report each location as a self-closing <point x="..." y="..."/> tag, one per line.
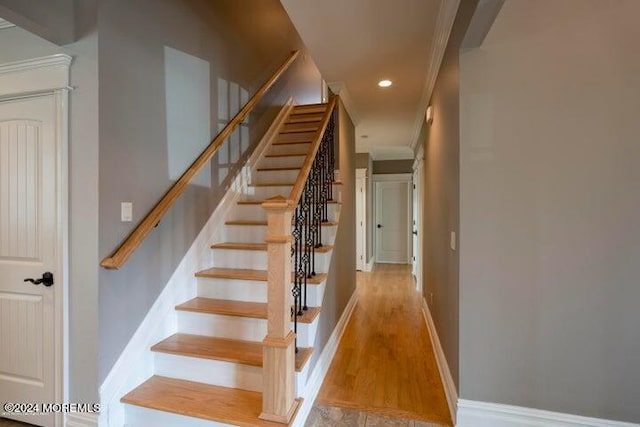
<point x="443" y="367"/>
<point x="482" y="414"/>
<point x="5" y="24"/>
<point x="444" y="23"/>
<point x="56" y="60"/>
<point x="340" y="89"/>
<point x="35" y="76"/>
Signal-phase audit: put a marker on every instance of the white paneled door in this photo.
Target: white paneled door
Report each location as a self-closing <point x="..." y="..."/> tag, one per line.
<point x="28" y="249"/>
<point x="392" y="222"/>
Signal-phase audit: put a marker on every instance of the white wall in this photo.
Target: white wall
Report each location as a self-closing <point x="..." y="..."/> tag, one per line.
<point x="550" y="208"/>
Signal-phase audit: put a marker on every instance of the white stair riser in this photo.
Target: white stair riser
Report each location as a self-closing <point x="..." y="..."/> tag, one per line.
<point x="251" y="291"/>
<point x="257" y="213"/>
<point x="217" y="372"/>
<point x="137" y="416"/>
<point x="281" y="162"/>
<point x="289" y="148"/>
<point x="257" y="234"/>
<point x="214" y="372"/>
<point x="263" y="193"/>
<point x="226" y="258"/>
<point x="275" y="176"/>
<point x="235" y="327"/>
<point x="229" y="289"/>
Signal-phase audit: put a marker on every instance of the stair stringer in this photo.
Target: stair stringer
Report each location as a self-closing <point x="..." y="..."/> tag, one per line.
<point x="136" y="363"/>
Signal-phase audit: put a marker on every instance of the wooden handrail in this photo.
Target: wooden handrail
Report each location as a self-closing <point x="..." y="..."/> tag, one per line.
<point x="137" y="236"/>
<point x="296" y="191"/>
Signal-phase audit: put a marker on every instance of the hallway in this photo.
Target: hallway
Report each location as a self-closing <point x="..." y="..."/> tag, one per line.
<point x="384" y="371"/>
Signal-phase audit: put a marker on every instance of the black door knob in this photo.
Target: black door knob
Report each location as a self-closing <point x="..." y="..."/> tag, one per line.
<point x="47" y="279"/>
<point x="379" y="226"/>
<point x="415" y="232"/>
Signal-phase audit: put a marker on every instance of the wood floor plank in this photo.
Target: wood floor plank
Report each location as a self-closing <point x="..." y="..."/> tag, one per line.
<point x="385" y="361"/>
<point x="228" y="350"/>
<point x="214" y="403"/>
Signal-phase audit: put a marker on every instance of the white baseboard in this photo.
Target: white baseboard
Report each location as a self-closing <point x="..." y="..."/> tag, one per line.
<point x="76" y="419"/>
<point x="482" y="414"/>
<point x="135" y="364"/>
<point x="368" y="266"/>
<point x="324" y="361"/>
<point x="445" y="373"/>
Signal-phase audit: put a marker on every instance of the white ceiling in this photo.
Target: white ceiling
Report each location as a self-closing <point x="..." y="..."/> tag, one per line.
<point x="357" y="43"/>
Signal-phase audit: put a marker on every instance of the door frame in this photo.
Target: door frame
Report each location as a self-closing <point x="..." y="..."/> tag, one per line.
<point x="44" y="77"/>
<point x="392" y="177"/>
<point x="418" y="181"/>
<point x="361" y="208"/>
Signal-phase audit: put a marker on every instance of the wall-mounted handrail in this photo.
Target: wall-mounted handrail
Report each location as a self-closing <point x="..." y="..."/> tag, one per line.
<point x="120" y="256"/>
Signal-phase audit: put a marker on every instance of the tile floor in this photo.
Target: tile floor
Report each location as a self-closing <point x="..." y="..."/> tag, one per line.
<point x="325" y="416"/>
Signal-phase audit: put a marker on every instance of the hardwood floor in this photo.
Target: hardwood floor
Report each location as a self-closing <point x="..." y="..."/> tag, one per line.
<point x="5" y="422"/>
<point x="385" y="362"/>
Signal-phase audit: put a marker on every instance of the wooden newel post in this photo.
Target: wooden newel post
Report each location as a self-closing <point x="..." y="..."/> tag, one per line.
<point x="278" y="368"/>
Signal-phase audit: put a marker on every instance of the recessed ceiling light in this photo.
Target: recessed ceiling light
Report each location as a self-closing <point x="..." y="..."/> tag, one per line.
<point x="385" y="83"/>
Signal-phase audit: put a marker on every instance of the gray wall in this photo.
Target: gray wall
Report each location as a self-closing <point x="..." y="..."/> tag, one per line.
<point x="364" y="160"/>
<point x="441" y="186"/>
<point x="17" y="44"/>
<point x="53" y="20"/>
<point x="341" y="280"/>
<point x="140" y="44"/>
<point x="392" y="166"/>
<point x="550" y="241"/>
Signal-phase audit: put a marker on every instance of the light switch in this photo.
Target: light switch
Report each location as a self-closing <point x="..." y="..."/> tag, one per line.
<point x="453" y="240"/>
<point x="126" y="211"/>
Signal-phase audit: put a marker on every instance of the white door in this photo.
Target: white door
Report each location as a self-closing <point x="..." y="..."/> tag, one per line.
<point x="414" y="227"/>
<point x="28" y="249"/>
<point x="361" y="212"/>
<point x="392" y="228"/>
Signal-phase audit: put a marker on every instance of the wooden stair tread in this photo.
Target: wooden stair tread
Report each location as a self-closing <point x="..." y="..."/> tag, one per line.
<point x="282" y="184"/>
<point x="300" y="127"/>
<point x="310" y="108"/>
<point x="258" y="247"/>
<point x="304" y="117"/>
<point x="244" y="274"/>
<point x="279" y="169"/>
<point x="209" y="402"/>
<point x="252" y="222"/>
<point x="271" y="156"/>
<point x="259" y="202"/>
<point x="305" y="141"/>
<point x="225" y="349"/>
<point x="255" y="310"/>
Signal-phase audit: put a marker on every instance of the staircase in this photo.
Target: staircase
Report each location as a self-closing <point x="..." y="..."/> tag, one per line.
<point x="210" y="372"/>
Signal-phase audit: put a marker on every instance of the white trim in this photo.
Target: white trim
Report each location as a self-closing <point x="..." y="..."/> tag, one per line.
<point x="39" y="75"/>
<point x="5" y="24"/>
<point x="361" y="186"/>
<point x="56" y="60"/>
<point x="401" y="177"/>
<point x="482" y="414"/>
<point x="78" y="419"/>
<point x="35" y="76"/>
<point x="444" y="23"/>
<point x="443" y="367"/>
<point x="135" y="363"/>
<point x="340" y="89"/>
<point x="369" y="265"/>
<point x="392" y="177"/>
<point x="324" y="361"/>
<point x="361" y="173"/>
